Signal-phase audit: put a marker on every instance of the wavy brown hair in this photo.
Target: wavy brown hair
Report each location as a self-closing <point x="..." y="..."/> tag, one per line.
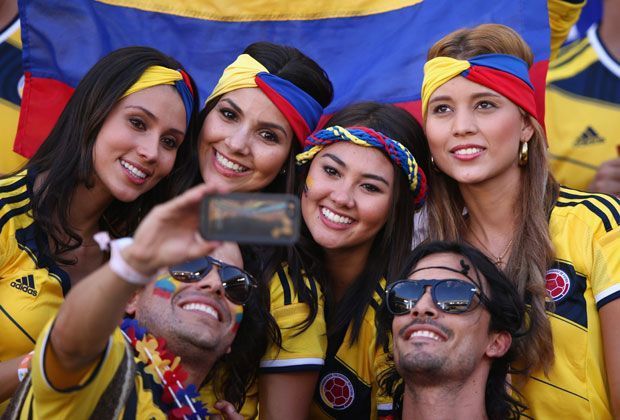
<point x="532" y="252"/>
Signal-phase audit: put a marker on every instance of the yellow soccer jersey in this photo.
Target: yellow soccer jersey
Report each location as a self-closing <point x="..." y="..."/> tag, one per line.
<point x="32" y="287"/>
<point x="347" y="386"/>
<point x="11" y="87"/>
<point x="585" y="230"/>
<point x="301" y="351"/>
<point x="583" y="110"/>
<point x="44" y="401"/>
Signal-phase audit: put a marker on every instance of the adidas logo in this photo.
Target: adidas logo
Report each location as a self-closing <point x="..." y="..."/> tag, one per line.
<point x="25" y="284"/>
<point x="588" y="137"/>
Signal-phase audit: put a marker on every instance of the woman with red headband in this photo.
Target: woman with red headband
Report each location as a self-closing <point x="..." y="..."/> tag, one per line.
<point x="118" y="149"/>
<point x="359" y="185"/>
<point x="491" y="187"/>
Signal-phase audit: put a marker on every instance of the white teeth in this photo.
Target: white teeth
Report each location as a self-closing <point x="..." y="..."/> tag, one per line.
<point x="426" y="334"/>
<point x="137" y="172"/>
<point x="335" y="217"/>
<point x="228" y="164"/>
<point x="200" y="307"/>
<point x="468" y="151"/>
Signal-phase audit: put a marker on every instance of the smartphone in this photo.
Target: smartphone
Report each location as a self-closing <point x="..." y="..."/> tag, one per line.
<point x="251" y="218"/>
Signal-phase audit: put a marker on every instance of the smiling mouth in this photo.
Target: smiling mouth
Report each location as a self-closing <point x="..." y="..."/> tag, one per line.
<point x="228" y="164"/>
<point x="468" y="151"/>
<point x="425" y="334"/>
<point x="132" y="169"/>
<point x="336" y="218"/>
<point x="201" y="307"/>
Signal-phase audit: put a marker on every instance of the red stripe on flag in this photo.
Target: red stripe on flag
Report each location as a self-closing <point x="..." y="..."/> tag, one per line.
<point x="42" y="102"/>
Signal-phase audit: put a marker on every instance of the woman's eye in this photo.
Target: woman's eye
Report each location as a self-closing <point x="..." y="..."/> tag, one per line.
<point x="169" y="142"/>
<point x="371" y="188"/>
<point x="137" y="123"/>
<point x="330" y="170"/>
<point x="269" y="136"/>
<point x="486" y="105"/>
<point x="441" y="109"/>
<point x="228" y="114"/>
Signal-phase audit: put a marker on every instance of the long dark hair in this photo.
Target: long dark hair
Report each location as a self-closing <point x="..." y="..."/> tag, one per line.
<point x="289" y="64"/>
<point x="508" y="313"/>
<point x="66" y="155"/>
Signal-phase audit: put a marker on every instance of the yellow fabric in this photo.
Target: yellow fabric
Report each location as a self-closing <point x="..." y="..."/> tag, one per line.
<point x="238" y="75"/>
<point x="250" y="406"/>
<point x="438" y="71"/>
<point x="300" y="351"/>
<point x="361" y="364"/>
<point x="577" y="384"/>
<point x="562" y="16"/>
<point x="9" y="115"/>
<point x="154" y="76"/>
<point x="223" y="10"/>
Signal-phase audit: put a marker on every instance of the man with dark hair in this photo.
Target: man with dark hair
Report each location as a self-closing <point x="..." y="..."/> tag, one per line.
<point x="453" y="318"/>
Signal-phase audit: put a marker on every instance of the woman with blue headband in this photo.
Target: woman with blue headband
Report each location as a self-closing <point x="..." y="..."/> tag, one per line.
<point x="118" y="148"/>
<point x="491" y="187"/>
<point x="359" y="188"/>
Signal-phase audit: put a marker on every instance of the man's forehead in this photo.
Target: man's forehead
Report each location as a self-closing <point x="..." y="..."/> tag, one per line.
<point x="228" y="253"/>
<point x="441" y="265"/>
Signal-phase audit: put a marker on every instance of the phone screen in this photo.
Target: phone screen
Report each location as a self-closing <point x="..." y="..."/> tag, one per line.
<point x="255" y="218"/>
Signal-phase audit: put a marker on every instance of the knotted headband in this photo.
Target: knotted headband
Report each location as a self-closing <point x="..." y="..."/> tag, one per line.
<point x="159" y="75"/>
<point x="505" y="74"/>
<point x="300" y="109"/>
<point x="366" y="137"/>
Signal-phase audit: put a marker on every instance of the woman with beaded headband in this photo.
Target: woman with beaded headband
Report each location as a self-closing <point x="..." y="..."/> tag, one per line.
<point x="254" y="122"/>
<point x="560" y="247"/>
<point x="119" y="147"/>
<point x="359" y="188"/>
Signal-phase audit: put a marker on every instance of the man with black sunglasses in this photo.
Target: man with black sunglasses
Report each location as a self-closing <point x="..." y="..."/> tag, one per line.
<point x="175" y="355"/>
<point x="452" y="317"/>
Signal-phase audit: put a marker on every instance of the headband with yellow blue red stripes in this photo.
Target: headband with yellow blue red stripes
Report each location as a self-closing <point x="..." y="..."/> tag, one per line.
<point x="505" y="74"/>
<point x="366" y="137"/>
<point x="300" y="109"/>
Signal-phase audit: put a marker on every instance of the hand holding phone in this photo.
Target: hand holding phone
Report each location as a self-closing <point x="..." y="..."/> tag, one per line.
<point x="251" y="218"/>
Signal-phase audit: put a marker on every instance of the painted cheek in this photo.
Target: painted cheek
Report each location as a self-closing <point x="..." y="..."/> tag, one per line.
<point x="164" y="288"/>
<point x="238" y="315"/>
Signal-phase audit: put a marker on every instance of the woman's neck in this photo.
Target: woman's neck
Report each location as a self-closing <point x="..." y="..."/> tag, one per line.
<point x="86" y="208"/>
<point x="344" y="266"/>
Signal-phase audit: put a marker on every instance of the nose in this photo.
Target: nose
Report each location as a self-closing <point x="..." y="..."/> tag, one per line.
<point x="342" y="196"/>
<point x="425" y="307"/>
<point x="463" y="123"/>
<point x="211" y="283"/>
<point x="238" y="142"/>
<point x="148" y="148"/>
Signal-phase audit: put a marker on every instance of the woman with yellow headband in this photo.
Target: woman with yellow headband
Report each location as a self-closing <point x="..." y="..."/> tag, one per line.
<point x="491" y="187"/>
<point x="359" y="185"/>
<point x="118" y="148"/>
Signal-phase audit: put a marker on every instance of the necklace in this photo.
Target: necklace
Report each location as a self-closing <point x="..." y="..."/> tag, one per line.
<point x="166" y="370"/>
<point x="498" y="260"/>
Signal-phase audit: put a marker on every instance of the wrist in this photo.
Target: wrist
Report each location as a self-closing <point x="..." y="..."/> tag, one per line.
<point x="134" y="271"/>
<point x="138" y="260"/>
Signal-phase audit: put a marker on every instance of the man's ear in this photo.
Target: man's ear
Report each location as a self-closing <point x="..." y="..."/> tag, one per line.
<point x="499" y="344"/>
<point x="132" y="305"/>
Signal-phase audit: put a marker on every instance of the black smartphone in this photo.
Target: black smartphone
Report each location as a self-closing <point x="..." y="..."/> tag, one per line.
<point x="251" y="218"/>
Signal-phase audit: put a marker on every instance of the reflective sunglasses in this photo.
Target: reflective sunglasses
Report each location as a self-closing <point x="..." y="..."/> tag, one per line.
<point x="451" y="296"/>
<point x="237" y="283"/>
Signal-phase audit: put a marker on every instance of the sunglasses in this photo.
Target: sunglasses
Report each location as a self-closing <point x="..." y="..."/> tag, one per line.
<point x="238" y="284"/>
<point x="451" y="296"/>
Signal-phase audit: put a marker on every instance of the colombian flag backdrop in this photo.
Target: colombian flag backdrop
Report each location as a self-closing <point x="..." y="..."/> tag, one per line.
<point x="371" y="49"/>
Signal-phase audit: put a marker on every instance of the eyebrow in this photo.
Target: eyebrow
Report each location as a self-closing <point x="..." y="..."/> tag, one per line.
<point x="267" y="124"/>
<point x="474" y="96"/>
<point x="154" y="117"/>
<point x="365" y="175"/>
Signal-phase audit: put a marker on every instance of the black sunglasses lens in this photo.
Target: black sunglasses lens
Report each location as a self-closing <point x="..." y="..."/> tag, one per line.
<point x="191" y="271"/>
<point x="237" y="284"/>
<point x="403" y="296"/>
<point x="454" y="296"/>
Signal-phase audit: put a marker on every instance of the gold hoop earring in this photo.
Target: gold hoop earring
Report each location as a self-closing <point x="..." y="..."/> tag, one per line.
<point x="434" y="165"/>
<point x="523" y="154"/>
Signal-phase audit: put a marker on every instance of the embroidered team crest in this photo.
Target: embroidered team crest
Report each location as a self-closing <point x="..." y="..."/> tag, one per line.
<point x="558" y="284"/>
<point x="337" y="391"/>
